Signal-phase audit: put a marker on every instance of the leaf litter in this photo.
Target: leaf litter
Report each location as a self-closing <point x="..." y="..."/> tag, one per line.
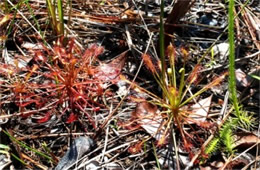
<point x="55" y="90"/>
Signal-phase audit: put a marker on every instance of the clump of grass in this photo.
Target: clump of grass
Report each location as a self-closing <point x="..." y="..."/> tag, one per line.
<point x="57" y="24"/>
<point x="27" y="147"/>
<point x="21" y="157"/>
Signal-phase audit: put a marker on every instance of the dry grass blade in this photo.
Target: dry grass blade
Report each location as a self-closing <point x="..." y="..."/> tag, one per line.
<point x="34" y="162"/>
<point x="252" y="26"/>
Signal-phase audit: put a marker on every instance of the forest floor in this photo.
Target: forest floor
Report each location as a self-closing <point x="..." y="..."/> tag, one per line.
<point x="104" y="94"/>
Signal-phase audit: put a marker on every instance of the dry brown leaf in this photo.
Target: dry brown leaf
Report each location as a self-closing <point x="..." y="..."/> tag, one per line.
<point x="148" y="118"/>
<point x="241" y="77"/>
<point x="199" y="111"/>
<point x="32" y="46"/>
<point x="214" y="165"/>
<point x="255" y="23"/>
<point x="246" y="140"/>
<point x="5" y="19"/>
<point x="110" y="71"/>
<point x="252" y="30"/>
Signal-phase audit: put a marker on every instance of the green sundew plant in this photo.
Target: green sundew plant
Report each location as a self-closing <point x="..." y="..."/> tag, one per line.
<point x="175" y="94"/>
<point x="57" y="25"/>
<point x="175" y="87"/>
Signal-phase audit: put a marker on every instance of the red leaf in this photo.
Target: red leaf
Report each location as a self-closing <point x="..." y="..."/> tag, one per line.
<point x="148" y="62"/>
<point x="72" y="118"/>
<point x="136" y="148"/>
<point x="6" y="69"/>
<point x="93" y="51"/>
<point x="40" y="57"/>
<point x="45" y="118"/>
<point x="96" y="109"/>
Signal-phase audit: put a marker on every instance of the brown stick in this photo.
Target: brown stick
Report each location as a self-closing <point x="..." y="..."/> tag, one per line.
<point x="180" y="8"/>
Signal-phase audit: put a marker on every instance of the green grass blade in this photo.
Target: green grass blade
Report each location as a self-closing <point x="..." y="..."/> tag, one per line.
<point x="33" y="16"/>
<point x="61" y="19"/>
<point x="255" y="76"/>
<point x="27" y="147"/>
<point x="18" y="159"/>
<point x="51" y="9"/>
<point x="156" y="157"/>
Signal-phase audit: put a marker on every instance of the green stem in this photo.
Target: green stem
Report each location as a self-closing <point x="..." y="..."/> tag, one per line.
<point x="61" y="19"/>
<point x="193" y="96"/>
<point x="51" y="8"/>
<point x="232" y="79"/>
<point x="161" y="41"/>
<point x="182" y="83"/>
